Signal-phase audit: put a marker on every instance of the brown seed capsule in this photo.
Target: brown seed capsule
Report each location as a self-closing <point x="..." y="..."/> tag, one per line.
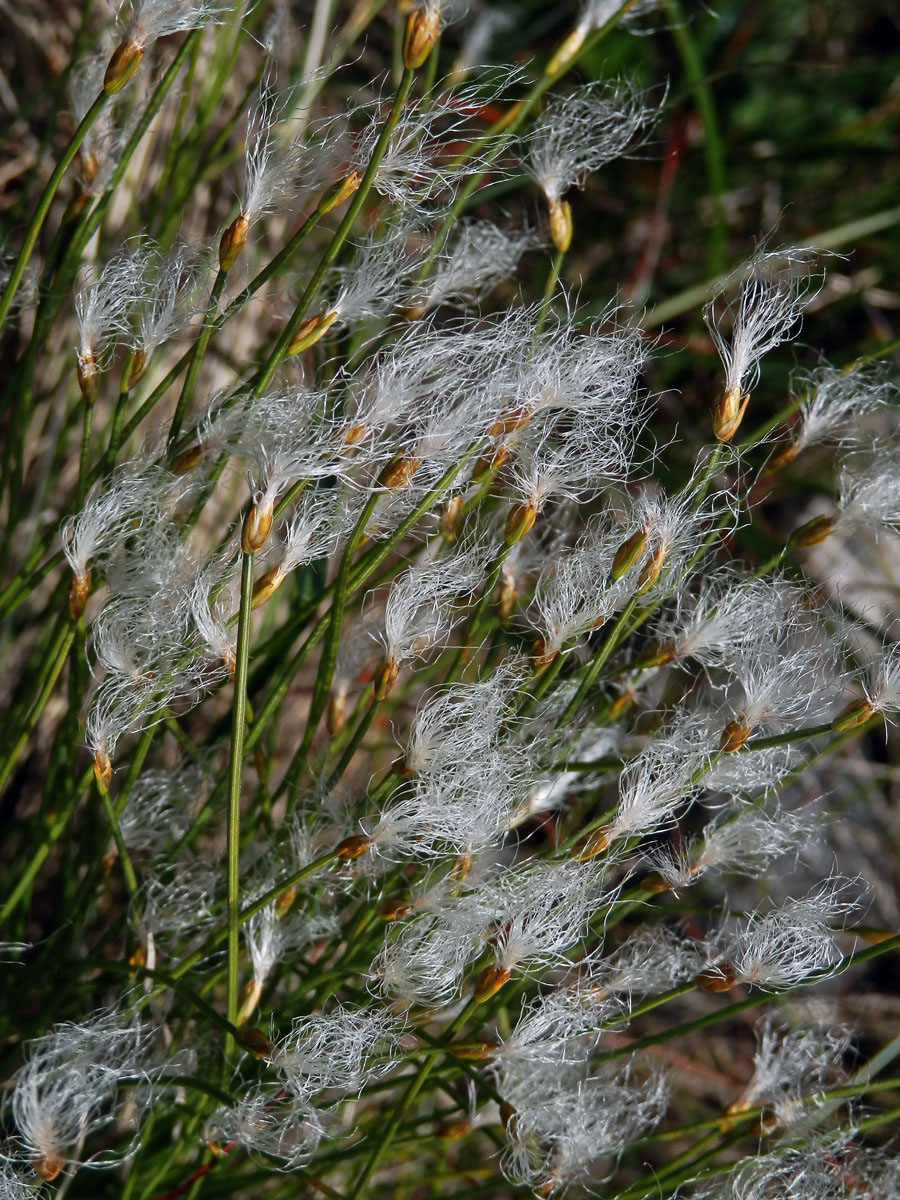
<point x="233" y="241"/>
<point x="654" y="884"/>
<point x="592" y="845"/>
<point x="873" y="937"/>
<point x="187" y="460"/>
<point x="137" y="369"/>
<point x="102" y="770"/>
<point x="47" y="1166"/>
<point x="138" y="958"/>
<point x="566" y="52"/>
<point x="628" y="554"/>
<point x="734" y="735"/>
<point x="451" y="1131"/>
<point x="285" y="901"/>
<point x="90" y="164"/>
<point x="783" y="457"/>
<point x="509" y="1117"/>
<point x="493" y="460"/>
<point x="423" y="28"/>
<point x="519" y="520"/>
<point x="813" y="532"/>
<point x="267" y="585"/>
<point x="336" y="712"/>
<point x="651" y="570"/>
<point x="451" y="515"/>
<point x="473" y="1051"/>
<point x="256" y="1042"/>
<point x="385" y="678"/>
<point x="620" y="705"/>
<point x="729" y="414"/>
<point x="561" y="228"/>
<point x="393" y="910"/>
<point x="312" y="330"/>
<point x="721" y="978"/>
<point x="125" y="60"/>
<point x="354" y="434"/>
<point x="345" y="189"/>
<point x="654" y="656"/>
<point x="490" y="981"/>
<point x="515" y="419"/>
<point x="248" y="1000"/>
<point x="257" y="527"/>
<point x="399" y="470"/>
<point x="462" y="867"/>
<point x="765" y="1124"/>
<point x="507" y="597"/>
<point x="354" y="846"/>
<point x="854" y="715"/>
<point x="79" y="589"/>
<point x="87" y="370"/>
<point x="541" y="657"/>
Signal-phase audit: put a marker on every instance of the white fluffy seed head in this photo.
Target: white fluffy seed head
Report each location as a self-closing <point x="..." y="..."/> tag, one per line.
<point x="144" y="21"/>
<point x="103" y="304"/>
<point x="781" y="948"/>
<point x="835" y="401"/>
<point x="580" y="132"/>
<point x="759" y="307"/>
<point x="790" y="1065"/>
<point x="869" y="487"/>
<point x="343" y="1048"/>
<point x="745" y="842"/>
<point x="268" y="1122"/>
<point x="66" y="1090"/>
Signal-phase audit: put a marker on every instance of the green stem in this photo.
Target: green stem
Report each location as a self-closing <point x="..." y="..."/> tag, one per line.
<point x="239" y="705"/>
<point x="54" y="831"/>
<point x="712" y="138"/>
<point x="290" y="329"/>
<point x="116" y="831"/>
<point x="352" y="746"/>
<point x="197" y="354"/>
<point x="115" y="433"/>
<point x="596" y="663"/>
<point x="84" y="460"/>
<point x="56" y="662"/>
<point x="329" y="651"/>
<point x="43" y="206"/>
<point x="412" y="1090"/>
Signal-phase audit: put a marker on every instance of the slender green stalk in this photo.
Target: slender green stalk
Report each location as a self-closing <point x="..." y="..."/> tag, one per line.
<point x="329" y="651"/>
<point x="43" y="205"/>
<point x="712" y="138"/>
<point x="352" y="746"/>
<point x="206" y="331"/>
<point x="597" y="662"/>
<point x="54" y="831"/>
<point x="116" y="831"/>
<point x="239" y="703"/>
<point x="84" y="459"/>
<point x="56" y="661"/>
<point x="334" y="248"/>
<point x="115" y="433"/>
<point x="412" y="1090"/>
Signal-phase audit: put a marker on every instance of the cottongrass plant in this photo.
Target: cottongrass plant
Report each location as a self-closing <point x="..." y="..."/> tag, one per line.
<point x="451" y="819"/>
